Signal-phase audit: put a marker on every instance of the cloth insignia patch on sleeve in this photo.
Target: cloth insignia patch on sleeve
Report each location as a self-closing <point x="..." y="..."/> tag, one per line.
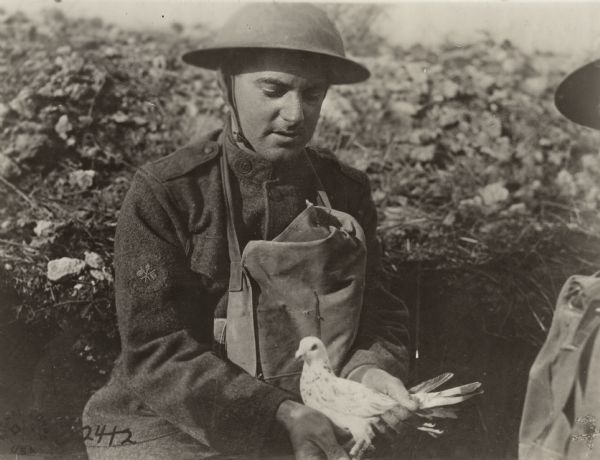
<point x="148" y="274"/>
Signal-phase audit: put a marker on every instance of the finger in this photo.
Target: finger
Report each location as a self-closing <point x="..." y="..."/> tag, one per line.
<point x="355" y="452"/>
<point x="432" y="433"/>
<point x="438" y="412"/>
<point x="401" y="412"/>
<point x="331" y="448"/>
<point x="393" y="422"/>
<point x="300" y="455"/>
<point x="309" y="451"/>
<point x="398" y="392"/>
<point x="381" y="426"/>
<point x="399" y="427"/>
<point x="348" y="445"/>
<point x="432" y="384"/>
<point x="359" y="449"/>
<point x="336" y="453"/>
<point x="430" y="430"/>
<point x="308" y="455"/>
<point x="397" y="420"/>
<point x="341" y="434"/>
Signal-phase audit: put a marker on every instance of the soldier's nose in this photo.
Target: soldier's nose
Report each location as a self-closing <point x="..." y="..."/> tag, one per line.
<point x="292" y="111"/>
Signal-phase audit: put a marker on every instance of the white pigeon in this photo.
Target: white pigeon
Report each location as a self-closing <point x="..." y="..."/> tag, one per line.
<point x="355" y="408"/>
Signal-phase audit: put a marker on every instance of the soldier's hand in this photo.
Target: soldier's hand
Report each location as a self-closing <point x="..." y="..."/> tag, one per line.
<point x="310" y="432"/>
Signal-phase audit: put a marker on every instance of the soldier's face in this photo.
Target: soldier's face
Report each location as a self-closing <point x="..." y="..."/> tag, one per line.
<point x="278" y="97"/>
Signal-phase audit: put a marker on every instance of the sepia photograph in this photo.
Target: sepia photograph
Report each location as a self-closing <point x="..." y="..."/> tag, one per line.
<point x="237" y="230"/>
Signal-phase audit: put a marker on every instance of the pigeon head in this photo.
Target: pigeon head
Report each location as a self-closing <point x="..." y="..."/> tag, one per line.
<point x="311" y="349"/>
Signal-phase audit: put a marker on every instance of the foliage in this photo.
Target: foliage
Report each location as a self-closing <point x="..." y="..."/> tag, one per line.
<point x="83" y="104"/>
<point x="469" y="159"/>
<point x="357" y="25"/>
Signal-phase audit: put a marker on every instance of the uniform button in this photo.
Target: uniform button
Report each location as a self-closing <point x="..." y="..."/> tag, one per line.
<point x="208" y="149"/>
<point x="243" y="165"/>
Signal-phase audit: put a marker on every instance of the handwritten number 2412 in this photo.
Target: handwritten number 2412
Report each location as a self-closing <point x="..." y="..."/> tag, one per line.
<point x="100" y="433"/>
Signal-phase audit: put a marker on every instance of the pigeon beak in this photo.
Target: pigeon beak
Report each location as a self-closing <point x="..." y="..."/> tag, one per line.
<point x="298" y="354"/>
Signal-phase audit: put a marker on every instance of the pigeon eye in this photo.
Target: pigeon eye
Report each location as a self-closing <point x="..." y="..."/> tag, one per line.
<point x="314" y="347"/>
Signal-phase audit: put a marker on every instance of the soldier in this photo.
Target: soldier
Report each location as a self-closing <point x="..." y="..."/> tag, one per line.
<point x="561" y="416"/>
<point x="231" y="249"/>
<point x="578" y="96"/>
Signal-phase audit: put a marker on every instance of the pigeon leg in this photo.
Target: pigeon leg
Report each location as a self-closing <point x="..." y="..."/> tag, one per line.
<point x="359" y="449"/>
<point x="360" y="428"/>
<point x="362" y="433"/>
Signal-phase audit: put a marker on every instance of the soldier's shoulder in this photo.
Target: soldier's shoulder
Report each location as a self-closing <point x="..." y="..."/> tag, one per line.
<point x="327" y="157"/>
<point x="185" y="159"/>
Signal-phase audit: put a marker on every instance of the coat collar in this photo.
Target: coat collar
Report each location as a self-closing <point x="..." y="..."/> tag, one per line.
<point x="248" y="165"/>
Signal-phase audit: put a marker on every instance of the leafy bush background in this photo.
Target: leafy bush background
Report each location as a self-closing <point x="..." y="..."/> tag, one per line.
<point x="478" y="180"/>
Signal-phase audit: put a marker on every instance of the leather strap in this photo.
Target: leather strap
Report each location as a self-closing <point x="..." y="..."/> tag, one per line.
<point x="323" y="198"/>
<point x="321" y="195"/>
<point x="235" y="256"/>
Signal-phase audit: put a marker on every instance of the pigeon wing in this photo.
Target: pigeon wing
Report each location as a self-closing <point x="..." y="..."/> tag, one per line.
<point x="353" y="398"/>
<point x="432" y="384"/>
<point x="448" y="397"/>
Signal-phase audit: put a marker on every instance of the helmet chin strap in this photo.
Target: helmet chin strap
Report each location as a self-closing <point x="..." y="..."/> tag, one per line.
<point x="236" y="126"/>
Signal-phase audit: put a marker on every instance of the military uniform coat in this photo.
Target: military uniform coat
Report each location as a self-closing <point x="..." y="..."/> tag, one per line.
<point x="172" y="268"/>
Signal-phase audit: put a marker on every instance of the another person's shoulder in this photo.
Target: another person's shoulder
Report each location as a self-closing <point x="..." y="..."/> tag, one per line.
<point x="201" y="151"/>
<point x="327" y="161"/>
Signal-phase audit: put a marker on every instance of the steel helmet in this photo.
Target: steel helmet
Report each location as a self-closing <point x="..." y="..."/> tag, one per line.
<point x="285" y="26"/>
<point x="578" y="96"/>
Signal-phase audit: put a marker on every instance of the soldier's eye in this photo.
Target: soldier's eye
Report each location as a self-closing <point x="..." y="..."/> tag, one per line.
<point x="313" y="95"/>
<point x="273" y="92"/>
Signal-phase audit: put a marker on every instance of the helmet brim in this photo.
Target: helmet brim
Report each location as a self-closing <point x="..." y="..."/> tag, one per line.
<point x="578" y="96"/>
<point x="340" y="70"/>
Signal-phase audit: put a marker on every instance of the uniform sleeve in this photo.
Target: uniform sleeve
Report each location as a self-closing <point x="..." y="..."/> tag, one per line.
<point x="165" y="322"/>
<point x="383" y="338"/>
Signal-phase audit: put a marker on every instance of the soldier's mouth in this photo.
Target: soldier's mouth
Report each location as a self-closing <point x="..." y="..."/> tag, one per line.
<point x="288" y="132"/>
<point x="288" y="136"/>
